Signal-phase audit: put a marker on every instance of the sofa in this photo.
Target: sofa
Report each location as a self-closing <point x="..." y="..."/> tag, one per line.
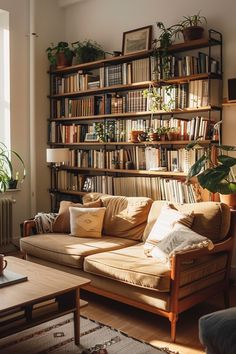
<point x="117" y="263"/>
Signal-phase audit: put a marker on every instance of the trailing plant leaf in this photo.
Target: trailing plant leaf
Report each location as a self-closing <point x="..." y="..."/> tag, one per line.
<point x="227" y="160"/>
<point x="197" y="167"/>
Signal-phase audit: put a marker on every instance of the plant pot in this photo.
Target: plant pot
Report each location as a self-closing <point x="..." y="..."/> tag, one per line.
<point x="172" y="136"/>
<point x="63" y="60"/>
<point x="229" y="199"/>
<point x="12" y="184"/>
<point x="153" y="136"/>
<point x="192" y="33"/>
<point x="134" y="135"/>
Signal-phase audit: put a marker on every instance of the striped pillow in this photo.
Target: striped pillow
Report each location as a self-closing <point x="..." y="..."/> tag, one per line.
<point x="165" y="223"/>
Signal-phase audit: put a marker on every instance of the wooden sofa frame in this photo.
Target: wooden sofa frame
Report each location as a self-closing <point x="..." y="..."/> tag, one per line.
<point x="178" y="305"/>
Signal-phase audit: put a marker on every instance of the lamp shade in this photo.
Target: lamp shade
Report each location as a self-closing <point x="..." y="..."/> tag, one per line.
<point x="57" y="155"/>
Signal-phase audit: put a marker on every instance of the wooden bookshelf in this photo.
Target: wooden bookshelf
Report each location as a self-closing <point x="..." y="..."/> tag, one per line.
<point x="71" y="109"/>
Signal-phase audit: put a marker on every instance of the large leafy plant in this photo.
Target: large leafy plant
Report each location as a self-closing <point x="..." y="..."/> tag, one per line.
<point x="6" y="167"/>
<point x="214" y="175"/>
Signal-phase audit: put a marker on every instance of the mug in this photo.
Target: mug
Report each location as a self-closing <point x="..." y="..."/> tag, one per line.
<point x="3" y="263"/>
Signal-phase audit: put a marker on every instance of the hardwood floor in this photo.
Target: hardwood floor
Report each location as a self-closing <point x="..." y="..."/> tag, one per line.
<point x="152" y="328"/>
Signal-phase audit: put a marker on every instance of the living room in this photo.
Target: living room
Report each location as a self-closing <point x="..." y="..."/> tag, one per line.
<point x="34" y="25"/>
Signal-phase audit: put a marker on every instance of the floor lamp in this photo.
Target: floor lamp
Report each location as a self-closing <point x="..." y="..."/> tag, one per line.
<point x="56" y="158"/>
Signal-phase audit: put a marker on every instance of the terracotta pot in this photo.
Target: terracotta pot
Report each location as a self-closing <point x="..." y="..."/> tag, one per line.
<point x="172" y="136"/>
<point x="193" y="32"/>
<point x="134" y="134"/>
<point x="62" y="60"/>
<point x="229" y="199"/>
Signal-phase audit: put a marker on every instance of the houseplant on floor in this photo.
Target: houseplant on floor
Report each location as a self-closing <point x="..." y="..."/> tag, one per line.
<point x="7" y="176"/>
<point x="61" y="55"/>
<point x="215" y="174"/>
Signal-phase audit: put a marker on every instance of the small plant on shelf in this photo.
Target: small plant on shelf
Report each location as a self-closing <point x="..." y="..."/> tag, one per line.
<point x="87" y="51"/>
<point x="191" y="27"/>
<point x="61" y="55"/>
<point x="155" y="100"/>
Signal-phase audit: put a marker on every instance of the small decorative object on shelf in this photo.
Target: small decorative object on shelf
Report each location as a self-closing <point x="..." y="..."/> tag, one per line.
<point x="191" y="27"/>
<point x="137" y="40"/>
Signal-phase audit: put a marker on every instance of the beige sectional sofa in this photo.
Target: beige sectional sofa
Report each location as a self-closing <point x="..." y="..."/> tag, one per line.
<point x="119" y="268"/>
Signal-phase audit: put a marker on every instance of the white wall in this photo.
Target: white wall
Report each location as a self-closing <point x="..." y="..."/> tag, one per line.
<point x="106" y="20"/>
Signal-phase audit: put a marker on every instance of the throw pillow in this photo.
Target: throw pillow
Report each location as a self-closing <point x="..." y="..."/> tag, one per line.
<point x="62" y="222"/>
<point x="165" y="223"/>
<point x="180" y="238"/>
<point x="86" y="222"/>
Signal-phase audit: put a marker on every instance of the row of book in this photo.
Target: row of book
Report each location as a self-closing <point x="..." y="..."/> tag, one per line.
<point x="157" y="188"/>
<point x="139" y="70"/>
<point x="110" y="75"/>
<point x="173" y="66"/>
<point x="147" y="158"/>
<point x="195" y="94"/>
<point x="120" y="130"/>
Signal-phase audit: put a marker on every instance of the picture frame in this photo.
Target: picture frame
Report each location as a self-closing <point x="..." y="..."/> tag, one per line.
<point x="137" y="40"/>
<point x="91" y="137"/>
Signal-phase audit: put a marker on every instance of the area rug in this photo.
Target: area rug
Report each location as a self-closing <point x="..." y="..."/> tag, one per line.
<point x="56" y="336"/>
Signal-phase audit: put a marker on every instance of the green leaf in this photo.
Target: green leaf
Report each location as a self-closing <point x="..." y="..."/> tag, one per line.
<point x="226" y="147"/>
<point x="227" y="160"/>
<point x="197" y="166"/>
<point x="210" y="178"/>
<point x="226" y="188"/>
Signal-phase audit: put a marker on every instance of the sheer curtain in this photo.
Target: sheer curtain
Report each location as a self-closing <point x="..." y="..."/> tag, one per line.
<point x="4" y="79"/>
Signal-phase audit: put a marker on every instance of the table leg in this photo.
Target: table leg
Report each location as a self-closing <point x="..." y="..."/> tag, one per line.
<point x="77" y="317"/>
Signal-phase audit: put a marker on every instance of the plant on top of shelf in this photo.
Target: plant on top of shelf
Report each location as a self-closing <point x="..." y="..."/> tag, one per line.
<point x="61" y="55"/>
<point x="191" y="27"/>
<point x="87" y="51"/>
<point x="7" y="175"/>
<point x="216" y="175"/>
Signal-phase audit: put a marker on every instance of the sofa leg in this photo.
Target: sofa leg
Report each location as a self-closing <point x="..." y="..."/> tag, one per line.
<point x="173" y="318"/>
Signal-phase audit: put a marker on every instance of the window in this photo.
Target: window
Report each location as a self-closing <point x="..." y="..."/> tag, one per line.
<point x="4" y="78"/>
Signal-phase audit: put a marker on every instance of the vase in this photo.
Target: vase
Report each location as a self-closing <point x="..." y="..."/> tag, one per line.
<point x="192" y="33"/>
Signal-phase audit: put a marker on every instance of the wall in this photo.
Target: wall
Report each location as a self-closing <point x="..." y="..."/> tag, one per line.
<point x="106" y="20"/>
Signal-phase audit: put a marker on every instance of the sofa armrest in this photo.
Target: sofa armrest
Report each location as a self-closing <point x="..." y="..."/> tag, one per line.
<point x="29" y="227"/>
<point x="225" y="246"/>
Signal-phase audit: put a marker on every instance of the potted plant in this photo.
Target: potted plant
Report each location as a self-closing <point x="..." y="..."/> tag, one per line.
<point x="61" y="55"/>
<point x="87" y="51"/>
<point x="216" y="175"/>
<point x="7" y="177"/>
<point x="155" y="100"/>
<point x="191" y="27"/>
<point x="173" y="133"/>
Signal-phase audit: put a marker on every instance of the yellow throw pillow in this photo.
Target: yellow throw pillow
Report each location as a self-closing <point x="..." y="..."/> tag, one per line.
<point x="165" y="223"/>
<point x="62" y="222"/>
<point x="86" y="222"/>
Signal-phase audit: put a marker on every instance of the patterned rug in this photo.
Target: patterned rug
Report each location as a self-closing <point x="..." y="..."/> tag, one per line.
<point x="56" y="336"/>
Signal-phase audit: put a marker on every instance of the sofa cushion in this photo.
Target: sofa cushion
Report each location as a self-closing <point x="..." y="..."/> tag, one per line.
<point x="165" y="223"/>
<point x="69" y="250"/>
<point x="62" y="222"/>
<point x="130" y="265"/>
<point x="211" y="219"/>
<point x="125" y="216"/>
<point x="86" y="222"/>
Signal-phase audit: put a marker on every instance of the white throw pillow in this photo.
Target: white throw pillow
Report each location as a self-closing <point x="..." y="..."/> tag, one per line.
<point x="180" y="238"/>
<point x="165" y="223"/>
<point x="86" y="222"/>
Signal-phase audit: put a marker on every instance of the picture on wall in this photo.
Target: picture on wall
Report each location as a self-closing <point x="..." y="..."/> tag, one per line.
<point x="137" y="40"/>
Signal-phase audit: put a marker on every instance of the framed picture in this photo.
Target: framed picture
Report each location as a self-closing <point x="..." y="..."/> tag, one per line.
<point x="137" y="40"/>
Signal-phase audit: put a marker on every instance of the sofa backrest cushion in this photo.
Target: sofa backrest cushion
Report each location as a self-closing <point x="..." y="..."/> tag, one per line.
<point x="62" y="222"/>
<point x="125" y="216"/>
<point x="211" y="219"/>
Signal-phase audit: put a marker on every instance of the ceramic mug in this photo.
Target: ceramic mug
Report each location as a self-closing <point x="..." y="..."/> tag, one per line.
<point x="3" y="263"/>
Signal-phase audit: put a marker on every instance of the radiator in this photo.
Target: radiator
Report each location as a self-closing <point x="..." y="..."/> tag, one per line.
<point x="5" y="221"/>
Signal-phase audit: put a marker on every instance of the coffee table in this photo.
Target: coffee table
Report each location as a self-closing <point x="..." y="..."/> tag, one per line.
<point x="47" y="294"/>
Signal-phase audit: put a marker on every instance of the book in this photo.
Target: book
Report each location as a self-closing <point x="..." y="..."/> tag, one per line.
<point x="8" y="278"/>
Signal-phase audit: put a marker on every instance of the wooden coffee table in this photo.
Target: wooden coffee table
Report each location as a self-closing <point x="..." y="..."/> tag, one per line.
<point x="47" y="294"/>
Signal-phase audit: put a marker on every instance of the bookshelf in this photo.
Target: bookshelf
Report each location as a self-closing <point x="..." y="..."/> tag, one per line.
<point x="105" y="99"/>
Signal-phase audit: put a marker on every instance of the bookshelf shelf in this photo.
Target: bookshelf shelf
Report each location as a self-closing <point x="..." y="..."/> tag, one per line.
<point x="105" y="99"/>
